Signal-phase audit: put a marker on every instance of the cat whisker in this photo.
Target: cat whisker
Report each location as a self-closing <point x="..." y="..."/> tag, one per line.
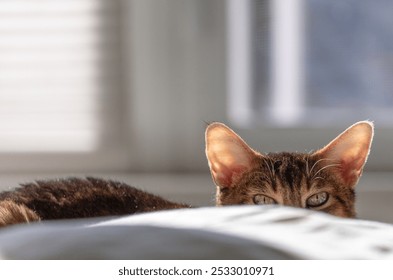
<point x="268" y="167"/>
<point x="327" y="166"/>
<point x="319" y="177"/>
<point x="307" y="167"/>
<point x="272" y="165"/>
<point x="318" y="161"/>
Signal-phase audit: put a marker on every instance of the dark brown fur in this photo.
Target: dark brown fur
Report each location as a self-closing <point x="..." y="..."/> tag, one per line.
<point x="79" y="198"/>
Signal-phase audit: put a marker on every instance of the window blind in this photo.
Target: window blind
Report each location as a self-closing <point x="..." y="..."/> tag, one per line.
<point x="57" y="74"/>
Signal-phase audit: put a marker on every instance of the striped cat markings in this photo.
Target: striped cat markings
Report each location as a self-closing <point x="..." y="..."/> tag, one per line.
<point x="324" y="180"/>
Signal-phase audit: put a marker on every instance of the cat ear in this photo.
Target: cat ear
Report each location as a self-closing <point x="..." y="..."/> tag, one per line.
<point x="350" y="151"/>
<point x="228" y="155"/>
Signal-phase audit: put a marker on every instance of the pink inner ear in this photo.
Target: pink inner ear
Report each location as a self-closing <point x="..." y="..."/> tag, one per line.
<point x="352" y="163"/>
<point x="227" y="165"/>
<point x="224" y="177"/>
<point x="228" y="155"/>
<point x="350" y="150"/>
<point x="351" y="171"/>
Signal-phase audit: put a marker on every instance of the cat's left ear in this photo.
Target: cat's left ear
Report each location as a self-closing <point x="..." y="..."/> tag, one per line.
<point x="349" y="151"/>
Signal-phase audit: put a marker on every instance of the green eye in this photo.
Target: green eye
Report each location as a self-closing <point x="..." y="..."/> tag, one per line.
<point x="317" y="199"/>
<point x="263" y="199"/>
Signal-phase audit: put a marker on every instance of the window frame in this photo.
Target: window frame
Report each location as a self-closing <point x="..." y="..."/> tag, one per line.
<point x="251" y="124"/>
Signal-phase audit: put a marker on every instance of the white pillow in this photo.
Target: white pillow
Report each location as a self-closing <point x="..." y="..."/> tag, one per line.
<point x="236" y="232"/>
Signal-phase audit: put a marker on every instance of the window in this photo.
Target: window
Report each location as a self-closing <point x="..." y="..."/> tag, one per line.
<point x="59" y="87"/>
<point x="52" y="79"/>
<point x="310" y="62"/>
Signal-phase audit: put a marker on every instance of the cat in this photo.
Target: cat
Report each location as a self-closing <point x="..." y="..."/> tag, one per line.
<point x="323" y="180"/>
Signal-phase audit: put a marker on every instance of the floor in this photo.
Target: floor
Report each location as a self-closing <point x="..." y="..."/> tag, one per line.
<point x="374" y="191"/>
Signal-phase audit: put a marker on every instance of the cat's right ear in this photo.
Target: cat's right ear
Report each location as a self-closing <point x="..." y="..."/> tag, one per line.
<point x="348" y="153"/>
<point x="228" y="155"/>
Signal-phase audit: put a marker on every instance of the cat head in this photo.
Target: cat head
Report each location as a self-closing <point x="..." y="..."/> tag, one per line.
<point x="324" y="180"/>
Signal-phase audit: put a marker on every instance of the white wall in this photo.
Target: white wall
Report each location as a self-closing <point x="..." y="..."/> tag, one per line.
<point x="177" y="80"/>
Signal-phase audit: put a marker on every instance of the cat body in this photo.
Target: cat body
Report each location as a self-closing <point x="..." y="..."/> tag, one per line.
<point x="323" y="180"/>
<point x="76" y="198"/>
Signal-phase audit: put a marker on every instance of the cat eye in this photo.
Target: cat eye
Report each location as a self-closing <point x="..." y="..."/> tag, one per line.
<point x="317" y="199"/>
<point x="263" y="199"/>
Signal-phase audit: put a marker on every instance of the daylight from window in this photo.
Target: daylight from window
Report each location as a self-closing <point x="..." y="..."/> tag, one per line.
<point x="311" y="62"/>
<point x="49" y="75"/>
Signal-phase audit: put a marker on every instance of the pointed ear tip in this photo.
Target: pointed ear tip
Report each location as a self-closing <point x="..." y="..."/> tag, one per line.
<point x="367" y="125"/>
<point x="214" y="126"/>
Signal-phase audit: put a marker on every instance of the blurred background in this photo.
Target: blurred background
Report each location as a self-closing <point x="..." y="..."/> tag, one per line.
<point x="123" y="89"/>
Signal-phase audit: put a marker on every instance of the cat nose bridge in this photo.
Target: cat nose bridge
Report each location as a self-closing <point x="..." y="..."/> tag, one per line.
<point x="292" y="198"/>
<point x="293" y="185"/>
<point x="288" y="195"/>
<point x="292" y="202"/>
